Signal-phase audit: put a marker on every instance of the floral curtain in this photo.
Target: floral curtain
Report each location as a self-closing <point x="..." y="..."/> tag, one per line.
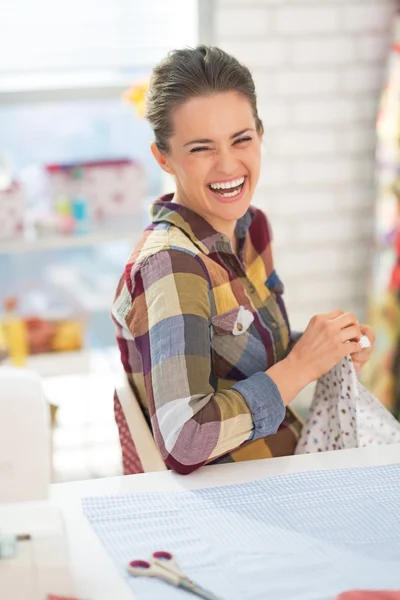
<point x="382" y="374"/>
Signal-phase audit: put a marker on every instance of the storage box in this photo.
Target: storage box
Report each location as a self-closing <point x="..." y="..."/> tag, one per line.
<point x="112" y="188"/>
<point x="12" y="212"/>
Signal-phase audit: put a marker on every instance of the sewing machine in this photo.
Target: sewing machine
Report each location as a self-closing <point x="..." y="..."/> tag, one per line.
<point x="33" y="550"/>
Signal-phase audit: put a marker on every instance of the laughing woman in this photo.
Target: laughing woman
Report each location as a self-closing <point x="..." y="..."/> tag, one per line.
<point x="201" y="323"/>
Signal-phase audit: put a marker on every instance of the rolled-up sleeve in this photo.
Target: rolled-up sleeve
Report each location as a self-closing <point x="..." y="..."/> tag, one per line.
<point x="169" y="320"/>
<point x="265" y="402"/>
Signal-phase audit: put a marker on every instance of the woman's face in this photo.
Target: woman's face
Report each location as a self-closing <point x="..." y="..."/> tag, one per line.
<point x="215" y="157"/>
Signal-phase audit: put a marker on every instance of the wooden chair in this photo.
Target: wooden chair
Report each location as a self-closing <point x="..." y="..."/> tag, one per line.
<point x="141" y="434"/>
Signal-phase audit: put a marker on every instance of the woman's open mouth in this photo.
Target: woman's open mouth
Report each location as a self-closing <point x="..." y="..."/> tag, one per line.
<point x="228" y="190"/>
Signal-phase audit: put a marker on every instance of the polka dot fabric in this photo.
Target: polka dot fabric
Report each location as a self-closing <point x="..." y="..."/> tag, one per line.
<point x="344" y="414"/>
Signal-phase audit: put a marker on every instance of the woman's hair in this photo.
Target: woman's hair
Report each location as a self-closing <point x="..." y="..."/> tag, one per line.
<point x="192" y="72"/>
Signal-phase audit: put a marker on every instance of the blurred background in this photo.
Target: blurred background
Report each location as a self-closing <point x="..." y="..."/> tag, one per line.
<point x="77" y="177"/>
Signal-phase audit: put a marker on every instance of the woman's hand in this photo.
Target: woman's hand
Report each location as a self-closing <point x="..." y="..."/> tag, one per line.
<point x="361" y="357"/>
<point x="326" y="341"/>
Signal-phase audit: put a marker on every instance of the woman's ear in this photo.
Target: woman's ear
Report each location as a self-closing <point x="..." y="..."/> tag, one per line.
<point x="261" y="131"/>
<point x="161" y="159"/>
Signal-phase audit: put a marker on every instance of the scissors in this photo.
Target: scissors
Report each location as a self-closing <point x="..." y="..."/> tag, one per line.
<point x="163" y="565"/>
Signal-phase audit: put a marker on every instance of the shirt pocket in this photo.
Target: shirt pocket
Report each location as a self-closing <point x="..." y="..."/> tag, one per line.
<point x="235" y="321"/>
<point x="237" y="351"/>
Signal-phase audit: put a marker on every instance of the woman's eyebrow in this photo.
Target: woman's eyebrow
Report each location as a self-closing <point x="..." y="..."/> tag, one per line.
<point x="240" y="133"/>
<point x="208" y="141"/>
<point x="204" y="141"/>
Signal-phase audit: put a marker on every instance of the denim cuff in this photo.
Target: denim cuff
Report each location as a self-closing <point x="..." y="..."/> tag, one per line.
<point x="265" y="402"/>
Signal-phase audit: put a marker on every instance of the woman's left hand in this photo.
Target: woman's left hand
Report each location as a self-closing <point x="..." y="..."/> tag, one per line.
<point x="362" y="357"/>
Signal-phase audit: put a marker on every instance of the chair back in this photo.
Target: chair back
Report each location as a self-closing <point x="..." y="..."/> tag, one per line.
<point x="140" y="431"/>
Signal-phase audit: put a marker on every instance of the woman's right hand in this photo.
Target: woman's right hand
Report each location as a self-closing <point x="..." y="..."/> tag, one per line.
<point x="326" y="341"/>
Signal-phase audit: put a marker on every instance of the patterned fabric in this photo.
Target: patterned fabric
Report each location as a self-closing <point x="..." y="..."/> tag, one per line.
<point x="382" y="374"/>
<point x="197" y="327"/>
<point x="345" y="415"/>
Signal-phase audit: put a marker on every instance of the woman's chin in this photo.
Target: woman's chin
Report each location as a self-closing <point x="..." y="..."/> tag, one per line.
<point x="233" y="207"/>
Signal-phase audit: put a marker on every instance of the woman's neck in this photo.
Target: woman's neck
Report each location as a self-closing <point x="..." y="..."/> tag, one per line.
<point x="224" y="227"/>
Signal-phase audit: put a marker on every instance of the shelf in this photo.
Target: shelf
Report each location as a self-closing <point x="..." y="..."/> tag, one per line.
<point x="103" y="361"/>
<point x="60" y="242"/>
<point x="67" y="86"/>
<point x="58" y="363"/>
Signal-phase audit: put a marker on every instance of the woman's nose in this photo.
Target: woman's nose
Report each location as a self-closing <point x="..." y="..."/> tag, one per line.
<point x="226" y="162"/>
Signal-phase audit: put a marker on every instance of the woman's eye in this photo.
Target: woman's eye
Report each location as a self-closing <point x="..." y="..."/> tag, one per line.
<point x="199" y="149"/>
<point x="242" y="140"/>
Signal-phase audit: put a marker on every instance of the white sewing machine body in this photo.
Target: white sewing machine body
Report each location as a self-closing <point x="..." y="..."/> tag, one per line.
<point x="24" y="437"/>
<point x="40" y="565"/>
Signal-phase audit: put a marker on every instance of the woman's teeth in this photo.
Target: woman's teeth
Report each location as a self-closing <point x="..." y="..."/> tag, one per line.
<point x="230" y="194"/>
<point x="228" y="189"/>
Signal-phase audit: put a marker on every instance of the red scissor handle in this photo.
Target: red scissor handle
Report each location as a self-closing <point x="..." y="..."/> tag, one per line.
<point x="162" y="555"/>
<point x="140" y="564"/>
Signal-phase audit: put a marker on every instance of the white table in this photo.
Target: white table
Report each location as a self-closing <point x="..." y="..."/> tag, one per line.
<point x="95" y="575"/>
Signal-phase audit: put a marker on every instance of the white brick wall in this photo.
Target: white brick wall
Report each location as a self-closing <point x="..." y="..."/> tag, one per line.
<point x="306" y="19"/>
<point x="325" y="111"/>
<point x="304" y="143"/>
<point x="305" y="82"/>
<point x="364" y="16"/>
<point x="327" y="50"/>
<point x="319" y="67"/>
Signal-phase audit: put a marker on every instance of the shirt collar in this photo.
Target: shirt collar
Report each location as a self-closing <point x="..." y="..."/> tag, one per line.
<point x="164" y="210"/>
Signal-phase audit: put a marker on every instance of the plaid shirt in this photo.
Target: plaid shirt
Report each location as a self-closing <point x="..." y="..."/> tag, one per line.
<point x="197" y="326"/>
